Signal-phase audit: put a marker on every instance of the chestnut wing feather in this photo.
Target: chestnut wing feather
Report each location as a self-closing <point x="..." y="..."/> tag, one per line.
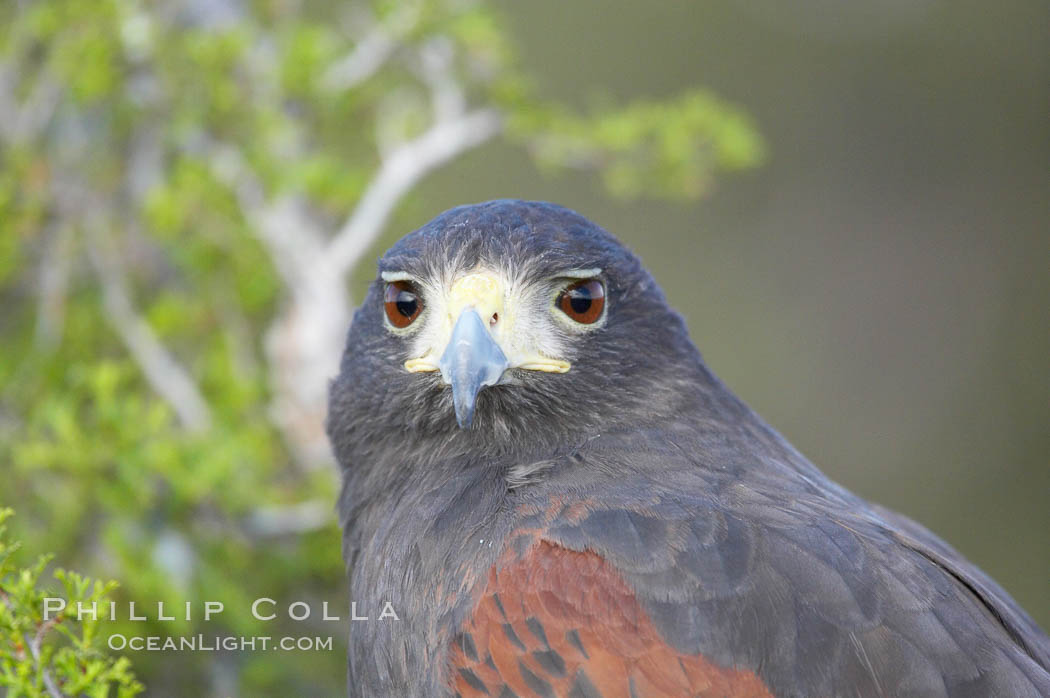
<point x="557" y="622"/>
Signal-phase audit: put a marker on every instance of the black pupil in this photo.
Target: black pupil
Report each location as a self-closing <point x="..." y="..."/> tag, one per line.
<point x="406" y="303"/>
<point x="580" y="299"/>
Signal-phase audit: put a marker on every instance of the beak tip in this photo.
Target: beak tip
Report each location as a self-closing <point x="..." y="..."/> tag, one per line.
<point x="464" y="408"/>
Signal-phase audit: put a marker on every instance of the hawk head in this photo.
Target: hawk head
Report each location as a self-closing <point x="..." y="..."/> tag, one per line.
<point x="504" y="323"/>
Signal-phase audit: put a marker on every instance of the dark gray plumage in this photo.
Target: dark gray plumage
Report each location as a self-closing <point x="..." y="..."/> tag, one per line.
<point x="738" y="550"/>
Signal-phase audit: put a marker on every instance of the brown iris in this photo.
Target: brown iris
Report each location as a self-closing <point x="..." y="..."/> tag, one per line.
<point x="402" y="303"/>
<point x="583" y="301"/>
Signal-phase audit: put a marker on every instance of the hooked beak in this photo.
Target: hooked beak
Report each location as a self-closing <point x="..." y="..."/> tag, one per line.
<point x="472" y="360"/>
<point x="477" y="354"/>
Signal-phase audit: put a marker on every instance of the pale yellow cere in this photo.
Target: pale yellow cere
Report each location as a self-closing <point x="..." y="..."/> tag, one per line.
<point x="481" y="291"/>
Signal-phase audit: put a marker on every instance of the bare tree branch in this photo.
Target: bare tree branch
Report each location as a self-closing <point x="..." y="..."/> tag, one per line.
<point x="373" y="50"/>
<point x="53" y="282"/>
<point x="401" y="171"/>
<point x="163" y="372"/>
<point x="436" y="70"/>
<point x="294" y="242"/>
<point x="362" y="63"/>
<point x="21" y="122"/>
<point x="34" y="649"/>
<point x="8" y="102"/>
<point x="37" y="109"/>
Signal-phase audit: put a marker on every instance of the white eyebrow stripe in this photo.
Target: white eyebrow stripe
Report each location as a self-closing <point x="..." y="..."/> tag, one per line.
<point x="389" y="276"/>
<point x="578" y="274"/>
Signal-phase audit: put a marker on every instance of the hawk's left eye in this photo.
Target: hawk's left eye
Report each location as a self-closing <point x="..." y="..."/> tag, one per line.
<point x="583" y="301"/>
<point x="402" y="303"/>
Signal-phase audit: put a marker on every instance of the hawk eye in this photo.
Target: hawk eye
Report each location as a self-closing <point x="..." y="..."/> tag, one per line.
<point x="402" y="303"/>
<point x="583" y="301"/>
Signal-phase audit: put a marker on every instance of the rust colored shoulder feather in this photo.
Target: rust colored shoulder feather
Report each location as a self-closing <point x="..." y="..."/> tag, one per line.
<point x="556" y="622"/>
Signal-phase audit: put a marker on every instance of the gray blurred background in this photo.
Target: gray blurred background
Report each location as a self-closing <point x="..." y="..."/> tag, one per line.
<point x="878" y="291"/>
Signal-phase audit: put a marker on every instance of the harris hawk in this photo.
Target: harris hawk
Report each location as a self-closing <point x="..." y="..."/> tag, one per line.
<point x="558" y="498"/>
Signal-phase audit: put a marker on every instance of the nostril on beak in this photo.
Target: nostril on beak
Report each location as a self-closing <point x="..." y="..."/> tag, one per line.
<point x="494" y="320"/>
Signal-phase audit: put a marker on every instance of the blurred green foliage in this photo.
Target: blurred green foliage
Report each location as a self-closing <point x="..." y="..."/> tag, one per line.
<point x="128" y="130"/>
<point x="648" y="148"/>
<point x="42" y="656"/>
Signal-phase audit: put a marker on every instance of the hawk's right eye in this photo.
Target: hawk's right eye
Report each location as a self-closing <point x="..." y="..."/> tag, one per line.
<point x="402" y="303"/>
